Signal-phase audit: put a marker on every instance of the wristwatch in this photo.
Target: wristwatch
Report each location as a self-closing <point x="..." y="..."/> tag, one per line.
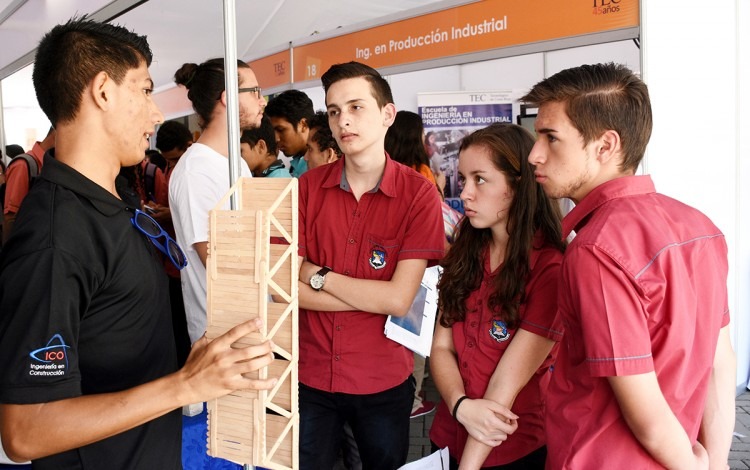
<point x="319" y="279"/>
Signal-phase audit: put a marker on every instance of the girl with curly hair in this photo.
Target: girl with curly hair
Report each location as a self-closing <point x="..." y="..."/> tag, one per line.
<point x="496" y="339"/>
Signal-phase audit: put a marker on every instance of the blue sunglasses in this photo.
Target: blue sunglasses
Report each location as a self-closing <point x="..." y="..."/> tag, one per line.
<point x="159" y="237"/>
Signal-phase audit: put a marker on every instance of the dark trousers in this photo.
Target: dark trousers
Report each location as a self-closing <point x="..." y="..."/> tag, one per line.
<point x="379" y="421"/>
<point x="533" y="461"/>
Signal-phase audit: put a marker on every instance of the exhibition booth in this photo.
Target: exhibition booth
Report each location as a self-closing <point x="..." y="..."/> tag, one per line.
<point x="461" y="65"/>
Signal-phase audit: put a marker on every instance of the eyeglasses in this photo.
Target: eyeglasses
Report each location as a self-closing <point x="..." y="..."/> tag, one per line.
<point x="159" y="237"/>
<point x="255" y="89"/>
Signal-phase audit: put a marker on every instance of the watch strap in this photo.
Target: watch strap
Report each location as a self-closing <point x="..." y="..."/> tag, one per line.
<point x="319" y="276"/>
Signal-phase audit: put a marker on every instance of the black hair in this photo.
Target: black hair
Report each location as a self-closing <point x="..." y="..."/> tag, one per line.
<point x="205" y="84"/>
<point x="263" y="132"/>
<point x="70" y="55"/>
<point x="320" y="130"/>
<point x="381" y="90"/>
<point x="11" y="150"/>
<point x="292" y="105"/>
<point x="404" y="141"/>
<point x="155" y="157"/>
<point x="173" y="135"/>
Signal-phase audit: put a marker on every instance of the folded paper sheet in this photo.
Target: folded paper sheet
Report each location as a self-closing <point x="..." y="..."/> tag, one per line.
<point x="415" y="329"/>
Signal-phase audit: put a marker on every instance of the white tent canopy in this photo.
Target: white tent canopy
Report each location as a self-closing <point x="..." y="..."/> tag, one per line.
<point x="192" y="31"/>
<point x="178" y="32"/>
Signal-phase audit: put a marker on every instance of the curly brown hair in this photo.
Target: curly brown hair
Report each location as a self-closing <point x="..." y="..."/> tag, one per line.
<point x="530" y="212"/>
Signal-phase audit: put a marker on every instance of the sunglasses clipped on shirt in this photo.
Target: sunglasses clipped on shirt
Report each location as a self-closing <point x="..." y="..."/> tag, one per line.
<point x="159" y="237"/>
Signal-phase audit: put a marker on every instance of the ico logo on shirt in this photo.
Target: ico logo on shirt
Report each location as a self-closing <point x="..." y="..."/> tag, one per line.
<point x="51" y="359"/>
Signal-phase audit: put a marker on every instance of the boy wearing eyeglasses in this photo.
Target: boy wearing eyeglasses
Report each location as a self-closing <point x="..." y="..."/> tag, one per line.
<point x="90" y="375"/>
<point x="201" y="177"/>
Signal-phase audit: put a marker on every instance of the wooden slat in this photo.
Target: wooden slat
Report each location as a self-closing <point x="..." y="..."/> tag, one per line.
<point x="244" y="266"/>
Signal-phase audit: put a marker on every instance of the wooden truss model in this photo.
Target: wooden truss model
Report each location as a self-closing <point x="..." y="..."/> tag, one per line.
<point x="252" y="255"/>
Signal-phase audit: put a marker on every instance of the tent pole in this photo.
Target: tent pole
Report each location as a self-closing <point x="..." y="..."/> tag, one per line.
<point x="2" y="127"/>
<point x="232" y="87"/>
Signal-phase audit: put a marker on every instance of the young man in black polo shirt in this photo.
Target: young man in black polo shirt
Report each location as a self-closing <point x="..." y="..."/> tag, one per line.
<point x="89" y="369"/>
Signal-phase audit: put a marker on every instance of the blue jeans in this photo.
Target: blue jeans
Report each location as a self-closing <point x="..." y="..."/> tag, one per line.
<point x="379" y="421"/>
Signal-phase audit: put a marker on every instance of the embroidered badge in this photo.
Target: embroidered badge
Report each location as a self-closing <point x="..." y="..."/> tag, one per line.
<point x="499" y="331"/>
<point x="377" y="258"/>
<point x="52" y="359"/>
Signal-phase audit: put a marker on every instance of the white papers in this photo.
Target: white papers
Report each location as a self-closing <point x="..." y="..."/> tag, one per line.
<point x="435" y="461"/>
<point x="415" y="329"/>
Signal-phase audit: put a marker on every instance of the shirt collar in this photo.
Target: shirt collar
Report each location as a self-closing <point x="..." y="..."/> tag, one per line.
<point x="536" y="248"/>
<point x="387" y="183"/>
<point x="61" y="174"/>
<point x="614" y="189"/>
<point x="37" y="151"/>
<point x="273" y="167"/>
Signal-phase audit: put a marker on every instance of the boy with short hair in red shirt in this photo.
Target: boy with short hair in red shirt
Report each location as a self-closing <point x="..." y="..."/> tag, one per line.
<point x="645" y="375"/>
<point x="368" y="229"/>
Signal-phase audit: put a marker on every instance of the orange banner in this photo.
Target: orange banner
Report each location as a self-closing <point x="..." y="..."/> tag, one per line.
<point x="476" y="27"/>
<point x="272" y="70"/>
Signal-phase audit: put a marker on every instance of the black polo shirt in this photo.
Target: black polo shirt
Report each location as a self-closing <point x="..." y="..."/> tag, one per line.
<point x="84" y="309"/>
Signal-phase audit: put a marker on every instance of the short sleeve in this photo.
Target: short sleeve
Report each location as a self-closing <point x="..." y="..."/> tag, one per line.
<point x="302" y="199"/>
<point x="16" y="185"/>
<point x="196" y="193"/>
<point x="424" y="237"/>
<point x="539" y="313"/>
<point x="41" y="295"/>
<point x="614" y="329"/>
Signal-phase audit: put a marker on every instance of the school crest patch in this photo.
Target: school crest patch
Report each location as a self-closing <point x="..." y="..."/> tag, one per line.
<point x="499" y="331"/>
<point x="377" y="258"/>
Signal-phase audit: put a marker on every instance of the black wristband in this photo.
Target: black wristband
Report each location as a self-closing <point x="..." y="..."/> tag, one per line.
<point x="455" y="407"/>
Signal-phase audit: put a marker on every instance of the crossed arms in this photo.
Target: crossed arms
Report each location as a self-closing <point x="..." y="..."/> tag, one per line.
<point x="344" y="293"/>
<point x="488" y="420"/>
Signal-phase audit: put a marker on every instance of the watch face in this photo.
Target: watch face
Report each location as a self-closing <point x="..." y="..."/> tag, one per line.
<point x="316" y="282"/>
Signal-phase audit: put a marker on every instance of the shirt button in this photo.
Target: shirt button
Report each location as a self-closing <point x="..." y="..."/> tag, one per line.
<point x="470" y="344"/>
<point x="473" y="324"/>
<point x="351" y="241"/>
<point x="338" y="327"/>
<point x="346" y="273"/>
<point x="336" y="357"/>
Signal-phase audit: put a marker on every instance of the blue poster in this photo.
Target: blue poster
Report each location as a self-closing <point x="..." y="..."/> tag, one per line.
<point x="447" y="118"/>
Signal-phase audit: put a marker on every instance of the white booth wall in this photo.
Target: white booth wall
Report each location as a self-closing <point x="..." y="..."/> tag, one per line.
<point x="741" y="304"/>
<point x="695" y="62"/>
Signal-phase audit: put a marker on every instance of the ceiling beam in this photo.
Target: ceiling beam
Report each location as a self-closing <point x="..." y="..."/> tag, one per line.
<point x="105" y="14"/>
<point x="10" y="9"/>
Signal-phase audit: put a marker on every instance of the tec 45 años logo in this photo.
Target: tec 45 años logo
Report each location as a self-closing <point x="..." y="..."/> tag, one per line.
<point x="50" y="360"/>
<point x="603" y="7"/>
